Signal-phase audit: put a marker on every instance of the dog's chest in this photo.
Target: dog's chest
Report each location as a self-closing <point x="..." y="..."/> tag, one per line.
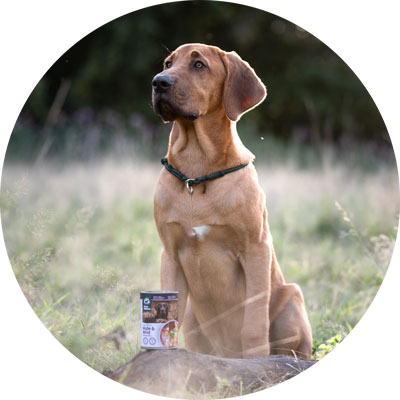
<point x="210" y="262"/>
<point x="195" y="212"/>
<point x="210" y="204"/>
<point x="205" y="234"/>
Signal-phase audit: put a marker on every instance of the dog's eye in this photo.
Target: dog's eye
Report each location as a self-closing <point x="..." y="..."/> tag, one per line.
<point x="168" y="64"/>
<point x="198" y="65"/>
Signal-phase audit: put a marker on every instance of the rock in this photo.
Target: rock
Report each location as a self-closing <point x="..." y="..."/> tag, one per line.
<point x="179" y="373"/>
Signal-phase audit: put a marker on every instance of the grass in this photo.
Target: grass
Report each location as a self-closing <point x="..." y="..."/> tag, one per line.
<point x="83" y="244"/>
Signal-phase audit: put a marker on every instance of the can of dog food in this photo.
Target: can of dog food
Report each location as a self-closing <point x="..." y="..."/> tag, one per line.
<point x="159" y="320"/>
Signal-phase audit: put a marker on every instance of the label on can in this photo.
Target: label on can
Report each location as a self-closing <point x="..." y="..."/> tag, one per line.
<point x="159" y="320"/>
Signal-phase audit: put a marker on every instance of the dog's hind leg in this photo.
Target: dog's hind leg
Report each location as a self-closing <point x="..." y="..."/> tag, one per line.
<point x="290" y="331"/>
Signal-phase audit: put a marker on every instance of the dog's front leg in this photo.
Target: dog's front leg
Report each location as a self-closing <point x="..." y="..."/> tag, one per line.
<point x="255" y="329"/>
<point x="172" y="278"/>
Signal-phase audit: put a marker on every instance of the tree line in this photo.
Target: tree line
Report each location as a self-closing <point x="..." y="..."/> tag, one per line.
<point x="313" y="96"/>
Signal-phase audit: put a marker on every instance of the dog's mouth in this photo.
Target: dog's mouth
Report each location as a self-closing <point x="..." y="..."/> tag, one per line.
<point x="170" y="111"/>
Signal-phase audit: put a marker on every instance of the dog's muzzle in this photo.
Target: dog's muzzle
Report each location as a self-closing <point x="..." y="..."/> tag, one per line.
<point x="163" y="102"/>
<point x="162" y="82"/>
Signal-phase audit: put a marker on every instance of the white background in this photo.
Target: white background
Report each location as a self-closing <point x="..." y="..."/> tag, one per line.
<point x="34" y="34"/>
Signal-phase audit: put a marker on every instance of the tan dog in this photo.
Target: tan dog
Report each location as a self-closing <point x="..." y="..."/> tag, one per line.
<point x="218" y="250"/>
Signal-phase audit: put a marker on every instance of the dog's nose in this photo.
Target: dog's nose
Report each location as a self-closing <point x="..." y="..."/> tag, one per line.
<point x="162" y="82"/>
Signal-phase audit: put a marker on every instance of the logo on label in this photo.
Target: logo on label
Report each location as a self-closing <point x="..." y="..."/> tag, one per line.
<point x="147" y="303"/>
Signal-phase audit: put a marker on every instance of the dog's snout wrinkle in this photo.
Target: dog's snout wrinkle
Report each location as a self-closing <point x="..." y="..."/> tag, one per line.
<point x="162" y="82"/>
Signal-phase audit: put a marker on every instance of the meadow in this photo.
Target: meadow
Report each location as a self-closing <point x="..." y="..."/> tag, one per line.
<point x="82" y="242"/>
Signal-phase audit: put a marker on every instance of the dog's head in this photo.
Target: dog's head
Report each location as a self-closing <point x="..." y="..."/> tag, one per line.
<point x="162" y="310"/>
<point x="199" y="79"/>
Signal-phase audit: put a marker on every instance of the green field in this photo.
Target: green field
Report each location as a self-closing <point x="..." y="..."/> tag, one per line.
<point x="83" y="244"/>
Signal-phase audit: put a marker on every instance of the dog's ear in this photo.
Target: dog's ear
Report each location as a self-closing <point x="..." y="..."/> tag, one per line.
<point x="167" y="306"/>
<point x="157" y="307"/>
<point x="243" y="89"/>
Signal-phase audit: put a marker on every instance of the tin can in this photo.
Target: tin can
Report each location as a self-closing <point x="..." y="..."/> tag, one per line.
<point x="159" y="320"/>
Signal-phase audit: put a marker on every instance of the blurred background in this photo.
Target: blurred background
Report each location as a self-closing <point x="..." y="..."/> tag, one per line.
<point x="98" y="93"/>
<point x="83" y="159"/>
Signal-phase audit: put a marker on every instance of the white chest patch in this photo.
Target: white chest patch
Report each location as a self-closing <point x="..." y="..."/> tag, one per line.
<point x="199" y="231"/>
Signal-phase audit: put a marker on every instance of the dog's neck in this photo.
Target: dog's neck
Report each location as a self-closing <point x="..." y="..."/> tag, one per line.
<point x="206" y="144"/>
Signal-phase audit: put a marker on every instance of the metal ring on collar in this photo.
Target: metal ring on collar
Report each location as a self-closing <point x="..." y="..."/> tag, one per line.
<point x="189" y="185"/>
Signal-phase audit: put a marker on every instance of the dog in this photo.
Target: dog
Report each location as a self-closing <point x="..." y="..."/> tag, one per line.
<point x="158" y="315"/>
<point x="211" y="216"/>
<point x="162" y="310"/>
